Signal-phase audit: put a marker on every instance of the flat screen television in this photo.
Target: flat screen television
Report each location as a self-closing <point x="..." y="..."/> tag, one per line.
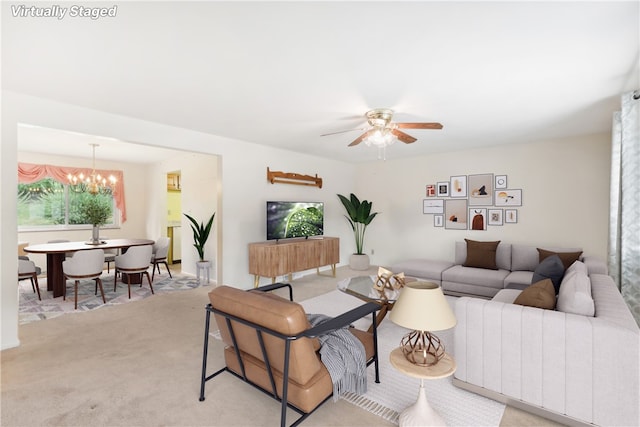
<point x="287" y="220"/>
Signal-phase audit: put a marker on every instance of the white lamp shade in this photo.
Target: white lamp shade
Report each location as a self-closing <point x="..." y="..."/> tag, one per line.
<point x="422" y="306"/>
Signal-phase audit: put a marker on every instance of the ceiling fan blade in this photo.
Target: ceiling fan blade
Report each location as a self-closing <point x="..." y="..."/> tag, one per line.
<point x="341" y="131"/>
<point x="419" y="125"/>
<point x="406" y="138"/>
<point x="362" y="137"/>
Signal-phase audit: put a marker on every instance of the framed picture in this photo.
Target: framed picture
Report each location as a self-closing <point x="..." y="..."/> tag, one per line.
<point x="510" y="216"/>
<point x="443" y="189"/>
<point x="432" y="206"/>
<point x="508" y="198"/>
<point x="501" y="182"/>
<point x="431" y="190"/>
<point x="495" y="217"/>
<point x="481" y="190"/>
<point x="458" y="186"/>
<point x="478" y="218"/>
<point x="438" y="220"/>
<point x="455" y="214"/>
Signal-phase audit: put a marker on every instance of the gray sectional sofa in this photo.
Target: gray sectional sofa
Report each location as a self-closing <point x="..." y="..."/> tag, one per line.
<point x="515" y="266"/>
<point x="578" y="364"/>
<point x="575" y="369"/>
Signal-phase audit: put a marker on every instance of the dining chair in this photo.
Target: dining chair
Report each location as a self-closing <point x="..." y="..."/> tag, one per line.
<point x="27" y="269"/>
<point x="109" y="255"/>
<point x="84" y="265"/>
<point x="159" y="255"/>
<point x="134" y="261"/>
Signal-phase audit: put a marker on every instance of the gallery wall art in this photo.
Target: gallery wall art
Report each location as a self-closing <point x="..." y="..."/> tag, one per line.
<point x="472" y="202"/>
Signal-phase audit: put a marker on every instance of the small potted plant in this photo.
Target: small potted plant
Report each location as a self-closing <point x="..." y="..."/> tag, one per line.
<point x="200" y="236"/>
<point x="95" y="211"/>
<point x="359" y="216"/>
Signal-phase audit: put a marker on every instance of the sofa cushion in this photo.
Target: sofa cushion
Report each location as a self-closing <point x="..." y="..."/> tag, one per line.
<point x="575" y="292"/>
<point x="524" y="258"/>
<point x="475" y="276"/>
<point x="567" y="258"/>
<point x="551" y="268"/>
<point x="481" y="254"/>
<point x="507" y="296"/>
<point x="518" y="279"/>
<point x="422" y="268"/>
<point x="540" y="294"/>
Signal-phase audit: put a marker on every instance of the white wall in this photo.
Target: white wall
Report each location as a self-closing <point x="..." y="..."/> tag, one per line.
<point x="565" y="193"/>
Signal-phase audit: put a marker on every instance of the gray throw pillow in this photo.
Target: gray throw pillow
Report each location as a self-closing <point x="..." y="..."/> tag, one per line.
<point x="550" y="268"/>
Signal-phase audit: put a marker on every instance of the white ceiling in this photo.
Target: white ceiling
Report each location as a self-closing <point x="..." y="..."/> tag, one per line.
<point x="283" y="73"/>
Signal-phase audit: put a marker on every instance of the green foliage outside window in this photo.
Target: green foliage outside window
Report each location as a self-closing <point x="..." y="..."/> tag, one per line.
<point x="50" y="203"/>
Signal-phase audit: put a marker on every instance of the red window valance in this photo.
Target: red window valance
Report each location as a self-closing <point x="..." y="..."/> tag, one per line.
<point x="28" y="173"/>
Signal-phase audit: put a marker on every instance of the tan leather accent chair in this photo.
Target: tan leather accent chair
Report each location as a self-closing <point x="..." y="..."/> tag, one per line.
<point x="270" y="344"/>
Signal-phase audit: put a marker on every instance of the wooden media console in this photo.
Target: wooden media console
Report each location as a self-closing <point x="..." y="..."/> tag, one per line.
<point x="278" y="258"/>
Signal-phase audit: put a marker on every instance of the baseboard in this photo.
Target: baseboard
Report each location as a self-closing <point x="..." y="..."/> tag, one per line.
<point x="519" y="404"/>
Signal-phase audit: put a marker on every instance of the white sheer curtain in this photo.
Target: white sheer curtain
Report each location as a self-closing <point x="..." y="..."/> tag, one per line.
<point x="624" y="219"/>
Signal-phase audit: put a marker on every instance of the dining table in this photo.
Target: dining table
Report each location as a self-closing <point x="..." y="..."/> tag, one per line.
<point x="56" y="254"/>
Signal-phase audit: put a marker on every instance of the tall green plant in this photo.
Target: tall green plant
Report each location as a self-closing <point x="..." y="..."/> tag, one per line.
<point x="200" y="233"/>
<point x="359" y="216"/>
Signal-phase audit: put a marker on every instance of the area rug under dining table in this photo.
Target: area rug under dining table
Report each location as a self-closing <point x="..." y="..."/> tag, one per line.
<point x="31" y="309"/>
<point x="397" y="391"/>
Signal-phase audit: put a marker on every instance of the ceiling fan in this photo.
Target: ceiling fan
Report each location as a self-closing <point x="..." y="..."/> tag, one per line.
<point x="383" y="129"/>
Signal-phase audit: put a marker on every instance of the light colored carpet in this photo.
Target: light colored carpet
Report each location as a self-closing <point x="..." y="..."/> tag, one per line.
<point x="138" y="364"/>
<point x="397" y="391"/>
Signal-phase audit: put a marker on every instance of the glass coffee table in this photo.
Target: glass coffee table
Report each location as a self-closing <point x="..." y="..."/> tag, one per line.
<point x="363" y="287"/>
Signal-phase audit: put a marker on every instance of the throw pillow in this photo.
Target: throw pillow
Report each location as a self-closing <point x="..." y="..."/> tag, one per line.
<point x="481" y="254"/>
<point x="540" y="294"/>
<point x="550" y="268"/>
<point x="567" y="258"/>
<point x="575" y="294"/>
<point x="577" y="266"/>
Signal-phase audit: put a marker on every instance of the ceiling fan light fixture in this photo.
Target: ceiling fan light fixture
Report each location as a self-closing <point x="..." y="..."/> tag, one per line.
<point x="380" y="138"/>
<point x="379" y="117"/>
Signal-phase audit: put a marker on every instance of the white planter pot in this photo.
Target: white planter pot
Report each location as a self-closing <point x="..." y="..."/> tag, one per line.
<point x="203" y="267"/>
<point x="359" y="262"/>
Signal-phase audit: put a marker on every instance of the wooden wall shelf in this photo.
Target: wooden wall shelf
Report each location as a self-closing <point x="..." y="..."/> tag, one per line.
<point x="277" y="177"/>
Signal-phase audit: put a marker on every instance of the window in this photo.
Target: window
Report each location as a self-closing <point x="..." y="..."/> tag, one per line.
<point x="47" y="204"/>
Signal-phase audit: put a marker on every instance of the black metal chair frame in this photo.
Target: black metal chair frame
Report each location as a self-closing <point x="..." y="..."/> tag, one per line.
<point x="336" y="323"/>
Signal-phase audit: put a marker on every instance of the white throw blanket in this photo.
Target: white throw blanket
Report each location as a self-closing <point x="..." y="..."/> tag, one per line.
<point x="344" y="356"/>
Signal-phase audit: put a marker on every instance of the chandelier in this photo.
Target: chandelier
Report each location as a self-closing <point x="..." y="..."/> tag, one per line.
<point x="94" y="183"/>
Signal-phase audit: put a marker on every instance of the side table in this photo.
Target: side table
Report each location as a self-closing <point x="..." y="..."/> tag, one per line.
<point x="421" y="413"/>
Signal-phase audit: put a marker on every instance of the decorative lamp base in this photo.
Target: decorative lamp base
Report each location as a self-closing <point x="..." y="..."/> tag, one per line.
<point x="422" y="348"/>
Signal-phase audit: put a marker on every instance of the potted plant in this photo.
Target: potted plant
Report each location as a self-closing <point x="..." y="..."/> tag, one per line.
<point x="359" y="216"/>
<point x="200" y="236"/>
<point x="95" y="210"/>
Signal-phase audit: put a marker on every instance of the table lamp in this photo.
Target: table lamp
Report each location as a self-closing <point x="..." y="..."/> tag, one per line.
<point x="423" y="308"/>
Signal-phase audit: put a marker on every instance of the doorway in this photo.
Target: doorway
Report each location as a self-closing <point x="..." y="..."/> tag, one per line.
<point x="174" y="216"/>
